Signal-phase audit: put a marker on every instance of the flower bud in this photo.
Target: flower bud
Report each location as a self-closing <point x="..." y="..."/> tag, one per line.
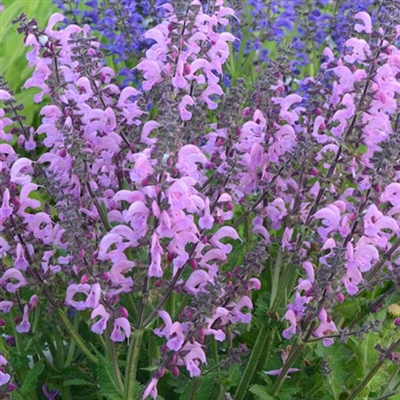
<point x="124" y="312"/>
<point x="175" y="371"/>
<point x="11" y="387"/>
<point x="193" y="263"/>
<point x="33" y="301"/>
<point x="340" y="297"/>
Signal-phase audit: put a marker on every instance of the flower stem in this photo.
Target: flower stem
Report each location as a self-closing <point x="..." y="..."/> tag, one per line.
<point x="78" y="338"/>
<point x="132" y="363"/>
<point x="112" y="357"/>
<point x="255" y="356"/>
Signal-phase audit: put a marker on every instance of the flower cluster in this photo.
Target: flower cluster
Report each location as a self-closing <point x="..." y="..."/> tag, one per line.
<point x="152" y="211"/>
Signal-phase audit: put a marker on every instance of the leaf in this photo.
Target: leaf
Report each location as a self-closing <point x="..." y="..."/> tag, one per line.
<point x="31" y="379"/>
<point x="78" y="382"/>
<point x="199" y="388"/>
<point x="349" y="308"/>
<point x="107" y="379"/>
<point x="260" y="392"/>
<point x="16" y="396"/>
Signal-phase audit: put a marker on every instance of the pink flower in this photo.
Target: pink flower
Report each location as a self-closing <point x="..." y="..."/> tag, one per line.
<point x="19" y="169"/>
<point x="392" y="194"/>
<point x="24" y="326"/>
<point x="25" y="200"/>
<point x="276" y="372"/>
<point x="5" y="306"/>
<point x="15" y="275"/>
<point x="116" y="334"/>
<point x="151" y="73"/>
<point x="100" y="326"/>
<point x="306" y="284"/>
<point x="183" y="112"/>
<point x="117" y="277"/>
<point x="192" y="358"/>
<point x="286" y="102"/>
<point x="4" y="96"/>
<point x="155" y="269"/>
<point x="330" y="216"/>
<point x="325" y="328"/>
<point x="360" y="50"/>
<point x="197" y="281"/>
<point x="72" y="290"/>
<point x="366" y="20"/>
<point x="148" y="127"/>
<point x="225" y="231"/>
<point x="151" y="389"/>
<point x="5" y="209"/>
<point x="92" y="301"/>
<point x="20" y="261"/>
<point x="213" y="89"/>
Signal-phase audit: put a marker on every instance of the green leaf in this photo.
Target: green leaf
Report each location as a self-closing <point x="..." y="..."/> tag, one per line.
<point x="199" y="388"/>
<point x="31" y="379"/>
<point x="78" y="382"/>
<point x="260" y="392"/>
<point x="349" y="308"/>
<point x="16" y="396"/>
<point x="107" y="379"/>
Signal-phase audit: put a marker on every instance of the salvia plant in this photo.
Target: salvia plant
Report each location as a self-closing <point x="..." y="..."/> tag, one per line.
<point x="215" y="224"/>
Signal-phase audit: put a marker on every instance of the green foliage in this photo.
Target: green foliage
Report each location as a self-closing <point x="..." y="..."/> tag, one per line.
<point x="107" y="380"/>
<point x="31" y="380"/>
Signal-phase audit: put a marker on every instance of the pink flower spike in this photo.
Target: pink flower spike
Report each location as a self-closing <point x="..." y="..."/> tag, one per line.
<point x="366" y="20"/>
<point x="117" y="335"/>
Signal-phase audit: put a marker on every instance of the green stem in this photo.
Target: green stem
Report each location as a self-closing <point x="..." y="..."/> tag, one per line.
<point x="132" y="363"/>
<point x="112" y="357"/>
<point x="195" y="388"/>
<point x="78" y="338"/>
<point x="294" y="353"/>
<point x="251" y="366"/>
<point x="72" y="347"/>
<point x="275" y="280"/>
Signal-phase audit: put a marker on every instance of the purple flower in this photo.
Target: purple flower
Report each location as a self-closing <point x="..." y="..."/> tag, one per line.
<point x="117" y="335"/>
